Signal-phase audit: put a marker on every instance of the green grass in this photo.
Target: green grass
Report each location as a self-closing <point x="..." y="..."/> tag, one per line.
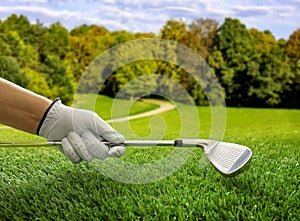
<point x="109" y="108"/>
<point x="39" y="183"/>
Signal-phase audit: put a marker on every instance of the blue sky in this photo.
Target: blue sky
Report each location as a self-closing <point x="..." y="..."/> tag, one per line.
<point x="280" y="17"/>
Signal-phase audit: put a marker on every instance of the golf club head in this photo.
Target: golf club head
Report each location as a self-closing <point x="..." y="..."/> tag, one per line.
<point x="228" y="158"/>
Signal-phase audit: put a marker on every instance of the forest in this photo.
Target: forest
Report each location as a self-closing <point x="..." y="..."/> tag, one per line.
<point x="253" y="67"/>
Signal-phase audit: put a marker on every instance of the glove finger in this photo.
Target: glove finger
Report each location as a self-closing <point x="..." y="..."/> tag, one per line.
<point x="117" y="151"/>
<point x="107" y="132"/>
<point x="79" y="146"/>
<point x="114" y="137"/>
<point x="95" y="147"/>
<point x="67" y="149"/>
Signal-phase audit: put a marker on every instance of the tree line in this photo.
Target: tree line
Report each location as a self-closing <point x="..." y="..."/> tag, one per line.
<point x="253" y="68"/>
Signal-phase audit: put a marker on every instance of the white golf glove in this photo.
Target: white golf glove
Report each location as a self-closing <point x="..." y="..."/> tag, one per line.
<point x="81" y="133"/>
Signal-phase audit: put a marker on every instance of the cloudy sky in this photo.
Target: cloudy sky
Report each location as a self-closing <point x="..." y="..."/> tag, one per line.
<point x="279" y="16"/>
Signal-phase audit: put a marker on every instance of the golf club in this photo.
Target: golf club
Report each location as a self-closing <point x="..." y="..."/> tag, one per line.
<point x="227" y="158"/>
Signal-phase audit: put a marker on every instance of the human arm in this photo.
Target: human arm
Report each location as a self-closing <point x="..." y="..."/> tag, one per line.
<point x="21" y="108"/>
<point x="81" y="131"/>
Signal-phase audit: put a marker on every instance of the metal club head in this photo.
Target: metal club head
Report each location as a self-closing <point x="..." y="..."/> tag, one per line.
<point x="228" y="158"/>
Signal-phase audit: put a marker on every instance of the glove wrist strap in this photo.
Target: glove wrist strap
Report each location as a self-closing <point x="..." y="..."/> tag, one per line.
<point x="45" y="115"/>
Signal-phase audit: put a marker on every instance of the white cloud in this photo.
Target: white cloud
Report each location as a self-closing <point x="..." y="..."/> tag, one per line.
<point x="150" y="16"/>
<point x="261" y="10"/>
<point x="38" y="10"/>
<point x="174" y="8"/>
<point x="28" y="1"/>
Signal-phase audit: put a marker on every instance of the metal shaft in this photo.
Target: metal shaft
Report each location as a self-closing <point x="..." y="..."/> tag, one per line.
<point x="178" y="143"/>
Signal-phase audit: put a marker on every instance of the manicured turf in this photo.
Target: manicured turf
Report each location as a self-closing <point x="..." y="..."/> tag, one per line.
<point x="109" y="108"/>
<point x="39" y="183"/>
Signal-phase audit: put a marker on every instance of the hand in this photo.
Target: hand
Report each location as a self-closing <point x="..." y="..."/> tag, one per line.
<point x="81" y="133"/>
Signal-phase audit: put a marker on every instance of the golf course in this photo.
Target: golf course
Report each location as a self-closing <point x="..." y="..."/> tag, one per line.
<point x="39" y="183"/>
<point x="205" y="93"/>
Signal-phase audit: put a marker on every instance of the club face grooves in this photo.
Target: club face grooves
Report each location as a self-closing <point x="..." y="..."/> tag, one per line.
<point x="228" y="158"/>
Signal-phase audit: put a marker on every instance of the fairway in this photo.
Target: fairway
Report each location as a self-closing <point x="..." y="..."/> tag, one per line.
<point x="40" y="183"/>
<point x="103" y="106"/>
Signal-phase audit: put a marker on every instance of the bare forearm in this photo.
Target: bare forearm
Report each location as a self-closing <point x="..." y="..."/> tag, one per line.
<point x="20" y="108"/>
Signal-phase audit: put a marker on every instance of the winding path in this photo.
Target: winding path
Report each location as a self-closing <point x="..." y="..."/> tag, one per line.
<point x="164" y="106"/>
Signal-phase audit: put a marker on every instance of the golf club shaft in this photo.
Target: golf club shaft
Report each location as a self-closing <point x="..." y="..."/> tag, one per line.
<point x="228" y="162"/>
<point x="178" y="143"/>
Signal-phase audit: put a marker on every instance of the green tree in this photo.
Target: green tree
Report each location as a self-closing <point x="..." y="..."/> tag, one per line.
<point x="263" y="41"/>
<point x="200" y="36"/>
<point x="293" y="46"/>
<point x="38" y="84"/>
<point x="274" y="78"/>
<point x="36" y="36"/>
<point x="86" y="46"/>
<point x="119" y="37"/>
<point x="13" y="41"/>
<point x="55" y="41"/>
<point x="123" y="69"/>
<point x="133" y="80"/>
<point x="234" y="60"/>
<point x="53" y="50"/>
<point x="19" y="24"/>
<point x="5" y="49"/>
<point x="10" y="70"/>
<point x="28" y="57"/>
<point x="13" y="45"/>
<point x="293" y="52"/>
<point x="79" y="56"/>
<point x="80" y="30"/>
<point x="173" y="30"/>
<point x="59" y="82"/>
